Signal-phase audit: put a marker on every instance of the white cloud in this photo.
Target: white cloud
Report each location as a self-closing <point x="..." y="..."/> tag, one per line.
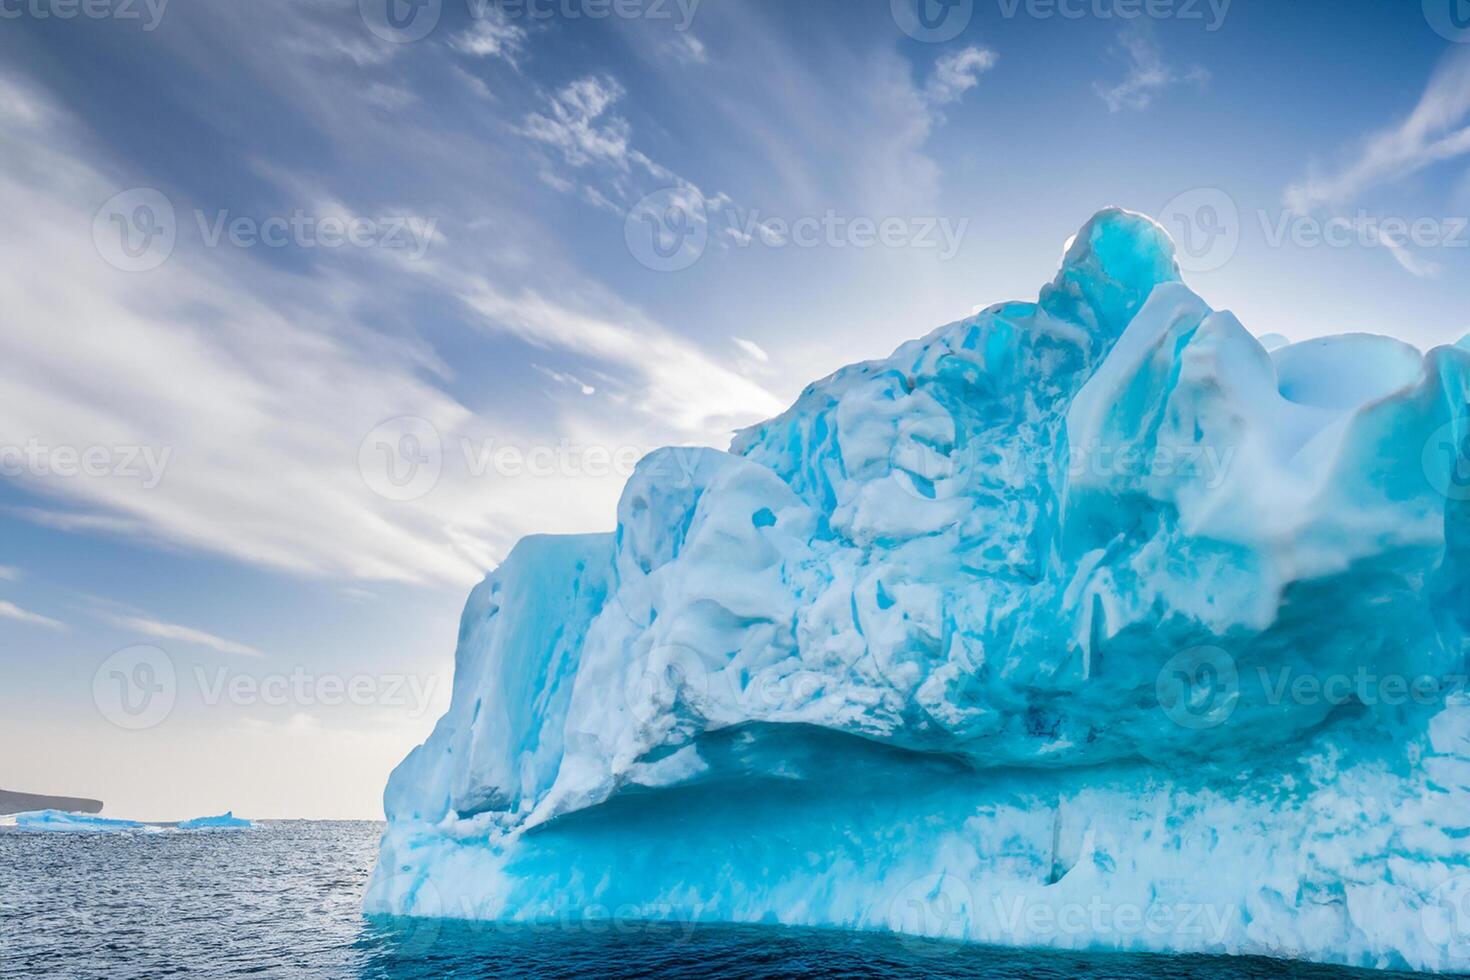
<point x="226" y="373"/>
<point x="666" y="377"/>
<point x="688" y="49"/>
<point x="9" y="610"/>
<point x="1148" y="75"/>
<point x="957" y="73"/>
<point x="184" y="634"/>
<point x="263" y="385"/>
<point x="1435" y="131"/>
<point x="752" y="349"/>
<point x="9" y="573"/>
<point x="389" y="97"/>
<point x="576" y="122"/>
<point x="492" y="36"/>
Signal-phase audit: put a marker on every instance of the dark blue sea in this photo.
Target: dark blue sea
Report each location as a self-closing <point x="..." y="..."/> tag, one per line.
<point x="282" y="900"/>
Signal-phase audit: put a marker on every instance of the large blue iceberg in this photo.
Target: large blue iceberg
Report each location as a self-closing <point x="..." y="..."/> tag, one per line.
<point x="1082" y="623"/>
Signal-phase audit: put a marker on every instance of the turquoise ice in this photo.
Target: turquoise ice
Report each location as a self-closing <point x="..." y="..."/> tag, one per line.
<point x="60" y="821"/>
<point x="1082" y="623"/>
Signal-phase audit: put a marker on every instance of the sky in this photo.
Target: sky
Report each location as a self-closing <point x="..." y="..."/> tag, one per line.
<point x="310" y="309"/>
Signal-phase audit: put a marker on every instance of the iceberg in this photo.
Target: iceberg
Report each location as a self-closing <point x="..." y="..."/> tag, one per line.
<point x="61" y="821"/>
<point x="1085" y="623"/>
<point x="225" y="821"/>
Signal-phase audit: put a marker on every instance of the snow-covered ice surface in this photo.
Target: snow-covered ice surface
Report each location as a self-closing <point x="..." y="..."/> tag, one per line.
<point x="1086" y="622"/>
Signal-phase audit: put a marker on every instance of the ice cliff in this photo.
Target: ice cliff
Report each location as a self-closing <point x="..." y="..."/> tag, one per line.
<point x="1084" y="622"/>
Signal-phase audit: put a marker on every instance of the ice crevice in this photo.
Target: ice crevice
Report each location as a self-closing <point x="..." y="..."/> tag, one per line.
<point x="1084" y="623"/>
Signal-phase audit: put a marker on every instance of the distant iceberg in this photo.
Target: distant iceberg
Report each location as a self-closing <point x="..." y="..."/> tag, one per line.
<point x="60" y="820"/>
<point x="226" y="821"/>
<point x="87" y="823"/>
<point x="1083" y="623"/>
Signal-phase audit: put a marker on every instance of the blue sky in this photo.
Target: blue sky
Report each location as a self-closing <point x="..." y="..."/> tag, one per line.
<point x="307" y="317"/>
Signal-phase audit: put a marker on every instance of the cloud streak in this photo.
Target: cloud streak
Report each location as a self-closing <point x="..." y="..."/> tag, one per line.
<point x="9" y="610"/>
<point x="185" y="634"/>
<point x="1435" y="131"/>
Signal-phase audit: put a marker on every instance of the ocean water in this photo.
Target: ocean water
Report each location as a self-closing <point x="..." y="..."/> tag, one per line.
<point x="282" y="900"/>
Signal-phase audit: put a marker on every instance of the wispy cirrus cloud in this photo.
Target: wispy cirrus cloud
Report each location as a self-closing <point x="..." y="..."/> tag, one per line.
<point x="957" y="73"/>
<point x="1149" y="76"/>
<point x="492" y="36"/>
<point x="1436" y="130"/>
<point x="9" y="610"/>
<point x="160" y="630"/>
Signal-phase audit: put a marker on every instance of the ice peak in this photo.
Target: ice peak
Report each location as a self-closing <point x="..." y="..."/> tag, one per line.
<point x="1110" y="267"/>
